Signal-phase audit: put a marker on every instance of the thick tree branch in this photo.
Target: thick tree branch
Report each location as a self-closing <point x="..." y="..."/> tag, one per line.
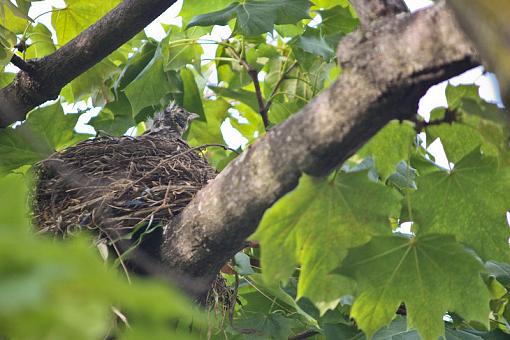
<point x="54" y="71"/>
<point x="386" y="69"/>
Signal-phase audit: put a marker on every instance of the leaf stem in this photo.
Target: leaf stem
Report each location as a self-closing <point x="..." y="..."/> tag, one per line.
<point x="278" y="84"/>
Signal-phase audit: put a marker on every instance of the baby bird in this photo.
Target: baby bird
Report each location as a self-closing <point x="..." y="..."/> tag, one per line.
<point x="171" y="122"/>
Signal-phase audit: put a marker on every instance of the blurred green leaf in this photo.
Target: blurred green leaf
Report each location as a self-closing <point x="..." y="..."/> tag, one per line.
<point x="337" y="20"/>
<point x="7" y="42"/>
<point x="46" y="130"/>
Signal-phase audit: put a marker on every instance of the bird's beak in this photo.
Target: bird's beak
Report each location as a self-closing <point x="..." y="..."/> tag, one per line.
<point x="193" y="116"/>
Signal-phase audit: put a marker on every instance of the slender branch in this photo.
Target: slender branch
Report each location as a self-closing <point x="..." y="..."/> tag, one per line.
<point x="22" y="64"/>
<point x="54" y="71"/>
<point x="254" y="75"/>
<point x="450" y="116"/>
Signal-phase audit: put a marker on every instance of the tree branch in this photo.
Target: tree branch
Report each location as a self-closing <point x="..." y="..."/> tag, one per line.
<point x="53" y="72"/>
<point x="449" y="117"/>
<point x="386" y="69"/>
<point x="21" y="64"/>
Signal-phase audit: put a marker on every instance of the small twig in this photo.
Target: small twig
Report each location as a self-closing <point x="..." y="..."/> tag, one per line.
<point x="234" y="299"/>
<point x="278" y="84"/>
<point x="119" y="256"/>
<point x="22" y="65"/>
<point x="253" y="73"/>
<point x="450" y="116"/>
<point x="224" y="147"/>
<point x="262" y="106"/>
<point x="304" y="335"/>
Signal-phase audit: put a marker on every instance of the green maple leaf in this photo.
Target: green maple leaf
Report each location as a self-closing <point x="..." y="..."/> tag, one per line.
<point x="191" y="8"/>
<point x="41" y="42"/>
<point x="255" y="17"/>
<point x="244" y="96"/>
<point x="149" y="86"/>
<point x="477" y="123"/>
<point x="209" y="132"/>
<point x="316" y="224"/>
<point x="425" y="273"/>
<point x="93" y="83"/>
<point x="338" y="19"/>
<point x="313" y="41"/>
<point x="469" y="202"/>
<point x="47" y="129"/>
<point x="181" y="48"/>
<point x="389" y="146"/>
<point x="16" y="19"/>
<point x="270" y="326"/>
<point x="7" y="42"/>
<point x="115" y="117"/>
<point x="192" y="100"/>
<point x="136" y="63"/>
<point x="457" y="139"/>
<point x="330" y="3"/>
<point x="77" y="16"/>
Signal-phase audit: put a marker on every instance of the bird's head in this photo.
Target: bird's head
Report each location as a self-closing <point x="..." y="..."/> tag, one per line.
<point x="174" y="118"/>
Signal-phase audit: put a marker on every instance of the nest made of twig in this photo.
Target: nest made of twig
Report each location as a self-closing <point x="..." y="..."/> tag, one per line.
<point x="112" y="185"/>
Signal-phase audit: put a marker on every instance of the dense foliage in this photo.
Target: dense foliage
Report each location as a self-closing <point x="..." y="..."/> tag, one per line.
<point x="336" y="258"/>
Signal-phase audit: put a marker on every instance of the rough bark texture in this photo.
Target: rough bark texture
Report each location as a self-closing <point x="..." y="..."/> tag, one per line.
<point x="54" y="71"/>
<point x="371" y="10"/>
<point x="387" y="67"/>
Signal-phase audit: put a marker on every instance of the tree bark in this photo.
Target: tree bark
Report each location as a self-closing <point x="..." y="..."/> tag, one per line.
<point x="371" y="10"/>
<point x="51" y="73"/>
<point x="387" y="67"/>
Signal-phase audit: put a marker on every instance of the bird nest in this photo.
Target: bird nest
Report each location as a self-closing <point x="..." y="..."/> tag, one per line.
<point x="115" y="185"/>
